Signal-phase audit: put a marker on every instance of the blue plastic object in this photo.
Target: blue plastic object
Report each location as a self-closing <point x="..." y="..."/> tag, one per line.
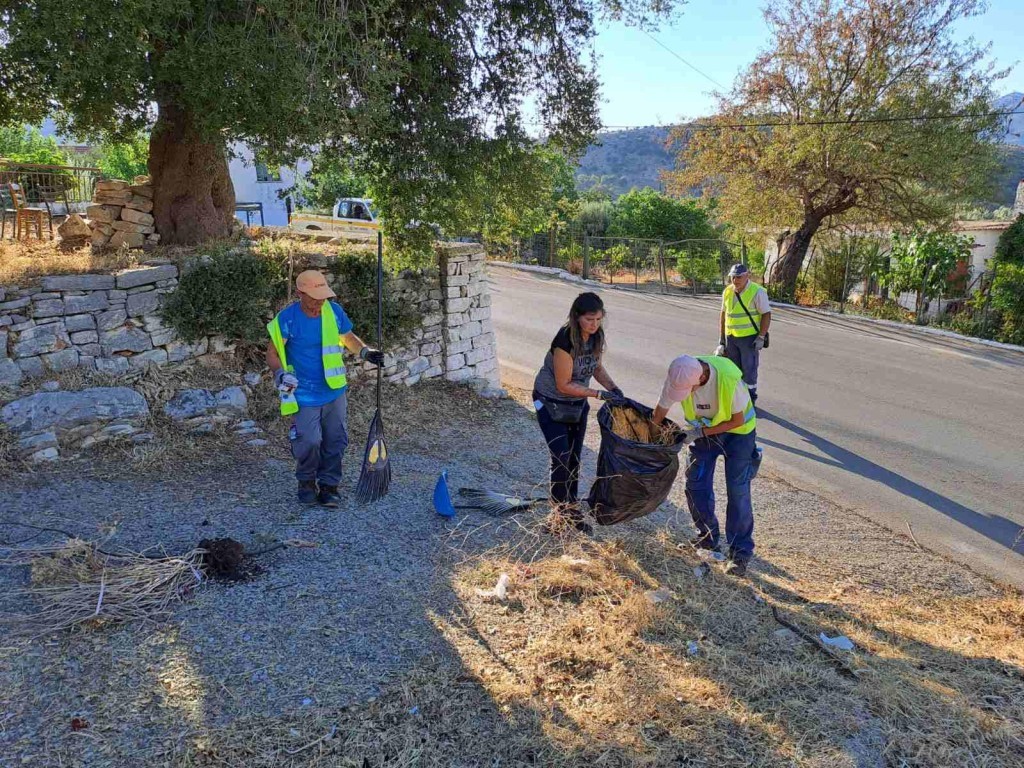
<point x="443" y="497"/>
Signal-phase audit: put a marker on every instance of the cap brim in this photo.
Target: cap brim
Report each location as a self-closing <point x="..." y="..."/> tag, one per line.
<point x="320" y="293"/>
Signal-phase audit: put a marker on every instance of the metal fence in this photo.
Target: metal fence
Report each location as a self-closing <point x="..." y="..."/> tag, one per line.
<point x="690" y="266"/>
<point x="61" y="189"/>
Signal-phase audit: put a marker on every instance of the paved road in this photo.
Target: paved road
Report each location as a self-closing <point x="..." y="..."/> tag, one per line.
<point x="903" y="427"/>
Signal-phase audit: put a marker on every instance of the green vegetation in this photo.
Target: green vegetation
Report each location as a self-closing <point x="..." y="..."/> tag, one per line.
<point x="28" y="145"/>
<point x="124" y="159"/>
<point x="924" y="262"/>
<point x="648" y="214"/>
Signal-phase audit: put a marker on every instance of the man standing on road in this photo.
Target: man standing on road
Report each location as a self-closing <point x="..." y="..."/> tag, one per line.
<point x="743" y="325"/>
<point x="307" y="339"/>
<point x="722" y="422"/>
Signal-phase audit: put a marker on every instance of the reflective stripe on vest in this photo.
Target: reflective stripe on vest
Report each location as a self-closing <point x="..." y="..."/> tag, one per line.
<point x="736" y="321"/>
<point x="729" y="377"/>
<point x="331" y="350"/>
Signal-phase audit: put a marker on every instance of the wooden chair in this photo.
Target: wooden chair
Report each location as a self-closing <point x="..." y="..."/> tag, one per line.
<point x="26" y="216"/>
<point x="7" y="211"/>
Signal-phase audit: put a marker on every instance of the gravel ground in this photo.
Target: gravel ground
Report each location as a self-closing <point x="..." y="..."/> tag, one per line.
<point x="331" y="626"/>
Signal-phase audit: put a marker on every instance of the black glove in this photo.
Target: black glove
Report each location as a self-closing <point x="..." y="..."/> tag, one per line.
<point x="618" y="391"/>
<point x="371" y="355"/>
<point x="611" y="396"/>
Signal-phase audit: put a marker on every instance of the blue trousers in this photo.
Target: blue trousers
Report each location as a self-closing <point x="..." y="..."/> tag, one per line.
<point x="565" y="443"/>
<point x="740" y="349"/>
<point x="319" y="438"/>
<point x="741" y="464"/>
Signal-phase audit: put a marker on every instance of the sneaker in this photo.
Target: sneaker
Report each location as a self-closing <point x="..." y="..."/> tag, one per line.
<point x="736" y="568"/>
<point x="328" y="496"/>
<point x="307" y="492"/>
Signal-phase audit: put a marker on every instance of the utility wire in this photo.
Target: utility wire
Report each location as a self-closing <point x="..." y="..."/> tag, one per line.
<point x="691" y="66"/>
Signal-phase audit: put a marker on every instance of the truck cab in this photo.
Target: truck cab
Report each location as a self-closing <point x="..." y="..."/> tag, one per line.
<point x="351" y="216"/>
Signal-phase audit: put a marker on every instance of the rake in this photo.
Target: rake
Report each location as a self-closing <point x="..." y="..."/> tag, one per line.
<point x="375" y="476"/>
<point x="494" y="503"/>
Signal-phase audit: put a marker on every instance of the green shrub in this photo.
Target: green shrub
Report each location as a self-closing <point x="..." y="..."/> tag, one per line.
<point x="357" y="293"/>
<point x="1010" y="246"/>
<point x="230" y="294"/>
<point x="697" y="266"/>
<point x="1008" y="299"/>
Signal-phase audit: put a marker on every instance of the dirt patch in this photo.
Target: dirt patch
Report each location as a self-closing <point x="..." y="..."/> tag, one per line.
<point x="225" y="559"/>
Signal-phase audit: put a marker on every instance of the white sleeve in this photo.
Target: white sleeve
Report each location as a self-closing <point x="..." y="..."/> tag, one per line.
<point x="740" y="399"/>
<point x="761" y="302"/>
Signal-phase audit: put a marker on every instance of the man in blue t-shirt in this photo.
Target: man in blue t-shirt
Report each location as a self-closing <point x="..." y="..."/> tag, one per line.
<point x="319" y="433"/>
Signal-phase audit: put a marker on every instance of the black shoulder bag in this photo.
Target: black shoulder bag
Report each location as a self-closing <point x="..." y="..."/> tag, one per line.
<point x="751" y="319"/>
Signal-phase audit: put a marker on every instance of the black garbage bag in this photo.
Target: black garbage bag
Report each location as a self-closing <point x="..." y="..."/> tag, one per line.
<point x="632" y="478"/>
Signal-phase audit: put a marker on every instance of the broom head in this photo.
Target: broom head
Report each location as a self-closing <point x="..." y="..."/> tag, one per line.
<point x="375" y="477"/>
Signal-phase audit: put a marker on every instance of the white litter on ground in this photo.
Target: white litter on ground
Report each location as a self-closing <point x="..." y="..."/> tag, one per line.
<point x="500" y="591"/>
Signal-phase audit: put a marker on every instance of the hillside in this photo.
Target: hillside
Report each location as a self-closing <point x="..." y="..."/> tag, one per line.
<point x="621" y="160"/>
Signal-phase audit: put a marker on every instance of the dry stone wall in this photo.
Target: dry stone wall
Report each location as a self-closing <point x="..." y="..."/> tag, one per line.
<point x="111" y="323"/>
<point x="121" y="214"/>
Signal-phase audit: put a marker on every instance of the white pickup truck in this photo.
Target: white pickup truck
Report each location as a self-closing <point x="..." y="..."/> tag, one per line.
<point x="352" y="216"/>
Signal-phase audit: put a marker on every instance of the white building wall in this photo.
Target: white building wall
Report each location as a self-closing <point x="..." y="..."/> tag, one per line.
<point x="248" y="190"/>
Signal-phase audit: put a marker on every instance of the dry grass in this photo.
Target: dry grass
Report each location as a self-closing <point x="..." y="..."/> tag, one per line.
<point x="23" y="262"/>
<point x="627" y="422"/>
<point x="76" y="583"/>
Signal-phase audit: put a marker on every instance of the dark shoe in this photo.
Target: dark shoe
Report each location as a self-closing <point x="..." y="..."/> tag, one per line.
<point x="736" y="568"/>
<point x="307" y="492"/>
<point x="328" y="496"/>
<point x="704" y="541"/>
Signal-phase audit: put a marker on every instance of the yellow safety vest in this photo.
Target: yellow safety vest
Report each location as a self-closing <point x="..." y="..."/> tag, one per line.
<point x="331" y="350"/>
<point x="736" y="321"/>
<point x="729" y="377"/>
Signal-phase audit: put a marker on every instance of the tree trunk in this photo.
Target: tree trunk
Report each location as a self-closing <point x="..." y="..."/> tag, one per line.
<point x="792" y="252"/>
<point x="193" y="198"/>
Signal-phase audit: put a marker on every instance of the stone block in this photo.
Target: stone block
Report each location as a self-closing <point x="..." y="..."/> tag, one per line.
<point x="453" y="293"/>
<point x="483" y="340"/>
<point x="460" y="374"/>
<point x="455" y="280"/>
<point x="62" y="360"/>
<point x="91" y="302"/>
<point x="48" y="308"/>
<point x="479" y="355"/>
<point x="45" y="455"/>
<point x="456" y="347"/>
<point x="136" y="277"/>
<point x="111" y="185"/>
<point x="88" y="350"/>
<point x="219" y="345"/>
<point x="479" y="313"/>
<point x="38" y="441"/>
<point x="139" y="203"/>
<point x="138" y="217"/>
<point x="129" y="239"/>
<point x="419" y="365"/>
<point x="484" y="300"/>
<point x="10" y="373"/>
<point x="457" y="319"/>
<point x="5" y="320"/>
<point x="453" y="362"/>
<point x="85" y="337"/>
<point x="117" y="199"/>
<point x="190" y="403"/>
<point x="31" y="366"/>
<point x="143" y="304"/>
<point x="112" y="366"/>
<point x="142" y="190"/>
<point x="116" y="295"/>
<point x="430" y="348"/>
<point x="140" y="289"/>
<point x="126" y="340"/>
<point x="487" y="326"/>
<point x="10" y="306"/>
<point x="78" y="282"/>
<point x="37" y="341"/>
<point x="232" y="401"/>
<point x="74" y="323"/>
<point x="469" y="330"/>
<point x="432" y="372"/>
<point x="163" y="337"/>
<point x="155" y="356"/>
<point x="59" y="411"/>
<point x="112" y="319"/>
<point x="458" y="305"/>
<point x="102" y="214"/>
<point x="131" y="226"/>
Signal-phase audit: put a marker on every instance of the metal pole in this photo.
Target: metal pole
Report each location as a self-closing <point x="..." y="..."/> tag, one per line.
<point x="846" y="276"/>
<point x="662" y="271"/>
<point x="586" y="257"/>
<point x="636" y="267"/>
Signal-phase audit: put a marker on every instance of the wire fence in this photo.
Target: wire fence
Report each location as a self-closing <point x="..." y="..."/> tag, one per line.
<point x="690" y="266"/>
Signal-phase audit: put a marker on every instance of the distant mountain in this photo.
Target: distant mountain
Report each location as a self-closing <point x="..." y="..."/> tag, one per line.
<point x="621" y="160"/>
<point x="1013" y="101"/>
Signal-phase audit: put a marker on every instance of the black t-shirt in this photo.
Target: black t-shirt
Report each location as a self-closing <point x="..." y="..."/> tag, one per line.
<point x="583" y="365"/>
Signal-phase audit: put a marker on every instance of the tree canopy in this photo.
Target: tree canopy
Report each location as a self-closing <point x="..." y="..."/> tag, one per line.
<point x="831" y="93"/>
<point x="422" y="91"/>
<point x="646" y="213"/>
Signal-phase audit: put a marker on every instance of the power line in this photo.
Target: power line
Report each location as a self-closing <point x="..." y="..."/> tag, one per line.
<point x="691" y="66"/>
<point x="797" y="123"/>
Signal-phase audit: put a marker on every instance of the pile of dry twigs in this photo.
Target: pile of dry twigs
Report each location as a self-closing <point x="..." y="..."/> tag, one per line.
<point x="629" y="423"/>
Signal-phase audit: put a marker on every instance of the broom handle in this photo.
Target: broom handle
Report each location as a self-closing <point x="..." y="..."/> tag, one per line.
<point x="380" y="307"/>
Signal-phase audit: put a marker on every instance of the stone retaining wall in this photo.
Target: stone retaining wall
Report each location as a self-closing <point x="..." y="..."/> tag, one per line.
<point x="111" y="323"/>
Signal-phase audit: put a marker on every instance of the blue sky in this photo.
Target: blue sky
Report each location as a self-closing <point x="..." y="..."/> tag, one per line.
<point x="643" y="84"/>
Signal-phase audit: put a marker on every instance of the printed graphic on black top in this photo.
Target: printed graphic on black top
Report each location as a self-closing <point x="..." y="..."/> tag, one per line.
<point x="583" y="367"/>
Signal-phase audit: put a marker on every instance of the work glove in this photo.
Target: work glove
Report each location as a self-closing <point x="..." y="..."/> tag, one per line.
<point x="611" y="396"/>
<point x="720" y="350"/>
<point x="371" y="355"/>
<point x="759" y="343"/>
<point x="618" y="391"/>
<point x="285" y="381"/>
